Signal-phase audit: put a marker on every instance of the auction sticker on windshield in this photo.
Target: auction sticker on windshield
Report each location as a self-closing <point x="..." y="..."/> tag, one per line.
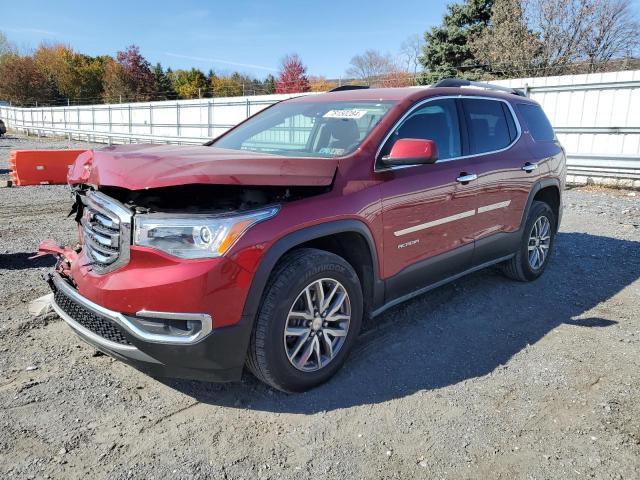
<point x="350" y="114"/>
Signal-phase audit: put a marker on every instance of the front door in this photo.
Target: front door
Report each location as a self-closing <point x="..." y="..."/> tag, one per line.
<point x="428" y="214"/>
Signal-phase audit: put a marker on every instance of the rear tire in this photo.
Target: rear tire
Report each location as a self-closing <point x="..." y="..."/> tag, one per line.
<point x="298" y="342"/>
<point x="536" y="245"/>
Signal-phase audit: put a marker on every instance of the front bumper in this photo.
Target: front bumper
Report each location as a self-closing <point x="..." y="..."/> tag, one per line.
<point x="217" y="355"/>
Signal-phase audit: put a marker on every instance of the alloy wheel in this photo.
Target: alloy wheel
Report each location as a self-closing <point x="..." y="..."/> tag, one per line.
<point x="539" y="242"/>
<point x="317" y="324"/>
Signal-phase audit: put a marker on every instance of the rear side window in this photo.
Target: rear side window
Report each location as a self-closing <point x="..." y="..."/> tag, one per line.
<point x="436" y="120"/>
<point x="537" y="122"/>
<point x="489" y="123"/>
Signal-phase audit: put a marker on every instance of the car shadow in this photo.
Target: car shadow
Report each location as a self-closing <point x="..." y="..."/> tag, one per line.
<point x="22" y="261"/>
<point x="463" y="330"/>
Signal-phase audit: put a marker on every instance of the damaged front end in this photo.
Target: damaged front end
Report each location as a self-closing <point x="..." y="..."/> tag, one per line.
<point x="149" y="282"/>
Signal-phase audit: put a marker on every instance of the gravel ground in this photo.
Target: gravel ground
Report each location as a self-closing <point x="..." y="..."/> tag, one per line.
<point x="483" y="378"/>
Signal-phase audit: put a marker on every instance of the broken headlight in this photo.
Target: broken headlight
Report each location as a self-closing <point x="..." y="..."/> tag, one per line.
<point x="194" y="236"/>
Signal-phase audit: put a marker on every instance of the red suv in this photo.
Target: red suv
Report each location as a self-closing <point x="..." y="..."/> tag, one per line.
<point x="268" y="246"/>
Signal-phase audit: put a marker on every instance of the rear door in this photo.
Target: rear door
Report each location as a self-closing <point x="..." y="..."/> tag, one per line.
<point x="427" y="213"/>
<point x="498" y="158"/>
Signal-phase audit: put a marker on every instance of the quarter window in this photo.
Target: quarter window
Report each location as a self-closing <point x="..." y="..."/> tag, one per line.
<point x="489" y="127"/>
<point x="437" y="121"/>
<point x="539" y="126"/>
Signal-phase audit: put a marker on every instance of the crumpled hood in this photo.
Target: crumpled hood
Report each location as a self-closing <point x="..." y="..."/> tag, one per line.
<point x="136" y="167"/>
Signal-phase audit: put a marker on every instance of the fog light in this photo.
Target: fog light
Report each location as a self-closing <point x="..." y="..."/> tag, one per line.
<point x="171" y="327"/>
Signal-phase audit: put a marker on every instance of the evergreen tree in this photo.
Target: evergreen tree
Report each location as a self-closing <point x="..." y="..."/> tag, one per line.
<point x="163" y="88"/>
<point x="447" y="51"/>
<point x="269" y="85"/>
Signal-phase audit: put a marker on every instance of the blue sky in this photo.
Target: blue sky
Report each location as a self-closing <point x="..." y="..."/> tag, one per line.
<point x="248" y="36"/>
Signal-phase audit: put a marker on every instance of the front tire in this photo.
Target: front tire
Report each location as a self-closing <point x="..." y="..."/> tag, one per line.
<point x="536" y="245"/>
<point x="309" y="318"/>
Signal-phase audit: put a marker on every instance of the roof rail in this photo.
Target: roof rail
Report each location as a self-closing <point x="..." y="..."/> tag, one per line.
<point x="458" y="82"/>
<point x="349" y="87"/>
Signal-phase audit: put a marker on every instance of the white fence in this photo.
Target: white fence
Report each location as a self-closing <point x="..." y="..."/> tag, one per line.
<point x="181" y="121"/>
<point x="596" y="117"/>
<point x="597" y="120"/>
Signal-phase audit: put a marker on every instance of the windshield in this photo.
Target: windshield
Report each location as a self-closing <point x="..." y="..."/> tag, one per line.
<point x="307" y="129"/>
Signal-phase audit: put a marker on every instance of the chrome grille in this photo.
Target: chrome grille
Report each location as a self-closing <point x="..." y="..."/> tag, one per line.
<point x="106" y="231"/>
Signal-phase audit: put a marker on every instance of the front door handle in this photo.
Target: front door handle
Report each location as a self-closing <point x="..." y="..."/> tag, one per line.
<point x="529" y="167"/>
<point x="466" y="177"/>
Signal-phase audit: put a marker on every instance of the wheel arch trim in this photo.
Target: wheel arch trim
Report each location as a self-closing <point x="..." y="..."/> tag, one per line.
<point x="539" y="185"/>
<point x="299" y="237"/>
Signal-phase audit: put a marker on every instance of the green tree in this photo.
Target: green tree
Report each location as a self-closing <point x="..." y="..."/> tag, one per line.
<point x="88" y="73"/>
<point x="163" y="88"/>
<point x="447" y="51"/>
<point x="248" y="85"/>
<point x="269" y="85"/>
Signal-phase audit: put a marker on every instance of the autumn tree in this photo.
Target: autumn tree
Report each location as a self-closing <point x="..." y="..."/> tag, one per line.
<point x="116" y="85"/>
<point x="396" y="78"/>
<point x="222" y="86"/>
<point x="71" y="74"/>
<point x="321" y="84"/>
<point x="292" y="77"/>
<point x="129" y="76"/>
<point x="371" y="66"/>
<point x="54" y="62"/>
<point x="189" y="83"/>
<point x="21" y="81"/>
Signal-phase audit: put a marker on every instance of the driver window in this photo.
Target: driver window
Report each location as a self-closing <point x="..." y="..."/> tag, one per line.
<point x="437" y="121"/>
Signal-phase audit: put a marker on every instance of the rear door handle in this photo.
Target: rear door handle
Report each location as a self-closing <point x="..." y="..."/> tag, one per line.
<point x="466" y="177"/>
<point x="529" y="167"/>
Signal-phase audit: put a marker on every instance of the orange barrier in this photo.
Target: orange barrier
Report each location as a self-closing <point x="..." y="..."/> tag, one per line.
<point x="41" y="167"/>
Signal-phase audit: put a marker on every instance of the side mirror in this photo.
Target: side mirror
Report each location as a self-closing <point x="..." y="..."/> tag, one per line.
<point x="412" y="151"/>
